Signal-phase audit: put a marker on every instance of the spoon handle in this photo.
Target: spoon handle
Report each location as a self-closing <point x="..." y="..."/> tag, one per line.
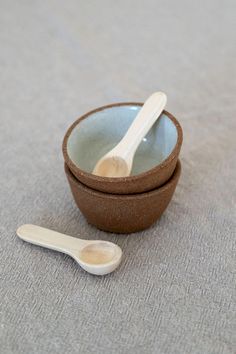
<point x="144" y="120"/>
<point x="49" y="238"/>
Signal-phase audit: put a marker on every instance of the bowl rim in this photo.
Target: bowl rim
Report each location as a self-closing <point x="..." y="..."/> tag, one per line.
<point x="132" y="178"/>
<point x="159" y="190"/>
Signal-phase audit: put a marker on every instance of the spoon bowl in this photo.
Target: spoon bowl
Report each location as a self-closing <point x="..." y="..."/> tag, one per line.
<point x="95" y="256"/>
<point x="100" y="257"/>
<point x="113" y="166"/>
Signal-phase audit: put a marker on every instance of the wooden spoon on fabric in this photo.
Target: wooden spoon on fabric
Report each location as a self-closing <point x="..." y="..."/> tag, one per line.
<point x="96" y="257"/>
<point x="118" y="161"/>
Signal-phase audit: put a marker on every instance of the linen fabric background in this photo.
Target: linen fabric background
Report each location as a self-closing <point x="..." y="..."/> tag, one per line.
<point x="175" y="289"/>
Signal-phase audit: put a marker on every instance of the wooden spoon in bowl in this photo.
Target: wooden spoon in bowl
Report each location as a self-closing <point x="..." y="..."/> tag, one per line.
<point x="96" y="257"/>
<point x="118" y="161"/>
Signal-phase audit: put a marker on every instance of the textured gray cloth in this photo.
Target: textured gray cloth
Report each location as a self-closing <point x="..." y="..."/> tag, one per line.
<point x="175" y="289"/>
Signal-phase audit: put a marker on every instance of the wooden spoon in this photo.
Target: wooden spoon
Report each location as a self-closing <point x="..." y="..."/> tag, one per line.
<point x="96" y="257"/>
<point x="118" y="161"/>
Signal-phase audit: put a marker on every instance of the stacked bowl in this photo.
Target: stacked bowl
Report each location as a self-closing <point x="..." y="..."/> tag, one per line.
<point x="124" y="204"/>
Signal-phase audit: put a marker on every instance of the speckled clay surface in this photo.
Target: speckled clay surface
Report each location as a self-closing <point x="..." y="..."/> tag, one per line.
<point x="96" y="132"/>
<point x="122" y="213"/>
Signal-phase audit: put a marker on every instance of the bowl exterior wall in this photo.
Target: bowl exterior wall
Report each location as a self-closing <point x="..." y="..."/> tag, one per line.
<point x="122" y="213"/>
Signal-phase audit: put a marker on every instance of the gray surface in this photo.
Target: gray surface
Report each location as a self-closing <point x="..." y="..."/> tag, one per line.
<point x="175" y="290"/>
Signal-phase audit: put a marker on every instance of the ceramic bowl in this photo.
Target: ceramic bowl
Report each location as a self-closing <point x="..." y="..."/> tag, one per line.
<point x="122" y="213"/>
<point x="98" y="131"/>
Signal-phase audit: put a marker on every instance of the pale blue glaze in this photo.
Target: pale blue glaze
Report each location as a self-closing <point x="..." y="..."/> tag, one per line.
<point x="101" y="131"/>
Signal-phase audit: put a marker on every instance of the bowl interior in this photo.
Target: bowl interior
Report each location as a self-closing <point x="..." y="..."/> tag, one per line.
<point x="98" y="133"/>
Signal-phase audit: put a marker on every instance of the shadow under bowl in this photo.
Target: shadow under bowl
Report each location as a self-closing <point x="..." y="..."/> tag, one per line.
<point x="98" y="131"/>
<point x="122" y="213"/>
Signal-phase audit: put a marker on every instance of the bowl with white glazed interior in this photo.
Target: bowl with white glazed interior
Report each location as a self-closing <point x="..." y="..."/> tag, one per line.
<point x="98" y="131"/>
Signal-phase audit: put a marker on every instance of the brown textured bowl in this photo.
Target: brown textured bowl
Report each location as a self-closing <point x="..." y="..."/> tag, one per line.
<point x="88" y="139"/>
<point x="122" y="213"/>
